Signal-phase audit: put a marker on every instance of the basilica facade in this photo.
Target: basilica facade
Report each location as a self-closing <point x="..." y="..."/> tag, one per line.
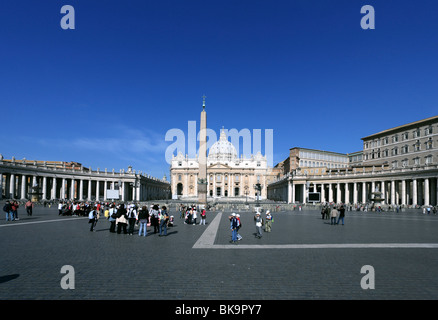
<point x="229" y="176"/>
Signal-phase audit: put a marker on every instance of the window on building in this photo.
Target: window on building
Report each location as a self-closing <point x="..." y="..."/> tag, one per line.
<point x="405" y="149"/>
<point x="429" y="159"/>
<point x="405" y="163"/>
<point x="429" y="144"/>
<point x="417" y="146"/>
<point x="417" y="161"/>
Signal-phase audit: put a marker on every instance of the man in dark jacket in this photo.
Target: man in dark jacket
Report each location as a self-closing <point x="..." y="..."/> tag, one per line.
<point x="341" y="214"/>
<point x="8" y="210"/>
<point x="143" y="219"/>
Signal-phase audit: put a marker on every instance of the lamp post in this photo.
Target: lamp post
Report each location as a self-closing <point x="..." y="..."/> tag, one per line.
<point x="246" y="194"/>
<point x="258" y="188"/>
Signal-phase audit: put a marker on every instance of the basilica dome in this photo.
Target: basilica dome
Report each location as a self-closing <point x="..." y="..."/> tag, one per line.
<point x="222" y="149"/>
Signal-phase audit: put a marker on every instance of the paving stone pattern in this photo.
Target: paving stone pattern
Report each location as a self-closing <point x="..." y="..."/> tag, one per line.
<point x="113" y="266"/>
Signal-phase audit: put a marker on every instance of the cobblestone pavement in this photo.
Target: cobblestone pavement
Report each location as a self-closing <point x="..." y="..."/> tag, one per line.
<point x="112" y="266"/>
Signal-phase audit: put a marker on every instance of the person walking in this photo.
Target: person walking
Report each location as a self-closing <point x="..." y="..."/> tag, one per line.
<point x="259" y="223"/>
<point x="269" y="221"/>
<point x="203" y="217"/>
<point x="92" y="219"/>
<point x="154" y="218"/>
<point x="132" y="218"/>
<point x="234" y="227"/>
<point x="29" y="206"/>
<point x="122" y="219"/>
<point x="333" y="215"/>
<point x="164" y="219"/>
<point x="239" y="237"/>
<point x="194" y="216"/>
<point x="60" y="207"/>
<point x="341" y="214"/>
<point x="323" y="212"/>
<point x="14" y="207"/>
<point x="143" y="218"/>
<point x="112" y="216"/>
<point x="7" y="208"/>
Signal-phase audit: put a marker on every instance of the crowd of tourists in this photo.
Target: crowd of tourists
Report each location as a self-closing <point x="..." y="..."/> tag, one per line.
<point x="190" y="214"/>
<point x="124" y="217"/>
<point x="11" y="209"/>
<point x="333" y="212"/>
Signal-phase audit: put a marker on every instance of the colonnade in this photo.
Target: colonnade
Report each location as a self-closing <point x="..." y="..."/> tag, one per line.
<point x="395" y="192"/>
<point x="393" y="187"/>
<point x="18" y="181"/>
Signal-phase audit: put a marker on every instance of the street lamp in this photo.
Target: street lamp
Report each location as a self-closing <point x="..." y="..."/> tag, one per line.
<point x="258" y="188"/>
<point x="246" y="194"/>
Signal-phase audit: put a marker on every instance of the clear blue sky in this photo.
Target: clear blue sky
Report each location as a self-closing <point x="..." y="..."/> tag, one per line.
<point x="106" y="93"/>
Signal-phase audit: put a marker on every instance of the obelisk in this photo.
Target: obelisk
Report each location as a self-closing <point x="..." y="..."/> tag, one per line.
<point x="202" y="157"/>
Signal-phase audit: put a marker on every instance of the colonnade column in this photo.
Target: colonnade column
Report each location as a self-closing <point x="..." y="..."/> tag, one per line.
<point x="289" y="191"/>
<point x="63" y="189"/>
<point x="97" y="190"/>
<point x="303" y="194"/>
<point x="23" y="186"/>
<point x="12" y="186"/>
<point x="72" y="189"/>
<point x="54" y="188"/>
<point x="293" y="193"/>
<point x="44" y="188"/>
<point x="105" y="187"/>
<point x="122" y="190"/>
<point x="81" y="189"/>
<point x="426" y="192"/>
<point x="355" y="192"/>
<point x="403" y="196"/>
<point x="347" y="193"/>
<point x="364" y="192"/>
<point x="383" y="190"/>
<point x="89" y="190"/>
<point x="137" y="198"/>
<point x="393" y="202"/>
<point x="414" y="192"/>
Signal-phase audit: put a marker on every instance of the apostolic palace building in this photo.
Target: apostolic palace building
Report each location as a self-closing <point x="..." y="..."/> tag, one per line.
<point x="397" y="166"/>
